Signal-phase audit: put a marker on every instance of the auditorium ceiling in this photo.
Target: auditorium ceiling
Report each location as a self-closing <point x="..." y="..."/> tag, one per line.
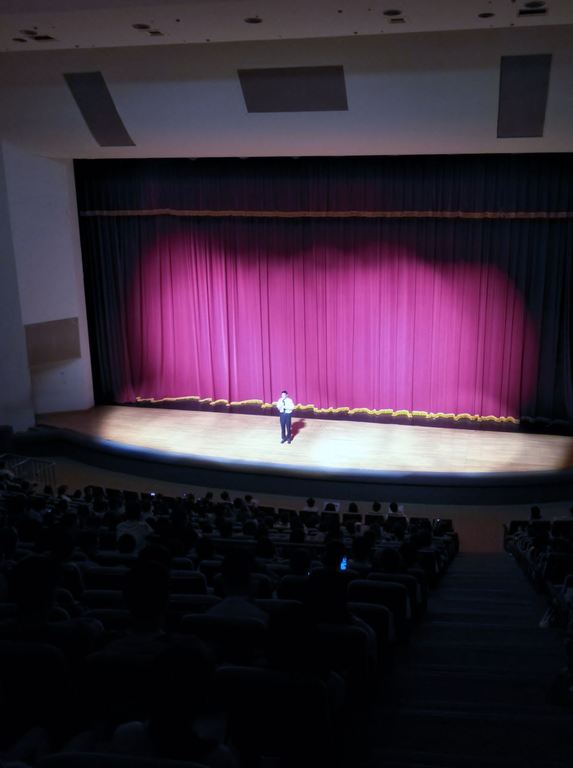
<point x="410" y="77"/>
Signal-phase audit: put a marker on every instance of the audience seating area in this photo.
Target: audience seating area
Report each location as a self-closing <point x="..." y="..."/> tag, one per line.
<point x="213" y="631"/>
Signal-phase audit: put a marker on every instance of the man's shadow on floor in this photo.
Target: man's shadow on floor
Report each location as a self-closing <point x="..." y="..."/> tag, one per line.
<point x="296" y="427"/>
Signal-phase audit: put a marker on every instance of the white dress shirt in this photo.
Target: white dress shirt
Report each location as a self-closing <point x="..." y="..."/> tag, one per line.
<point x="285" y="405"/>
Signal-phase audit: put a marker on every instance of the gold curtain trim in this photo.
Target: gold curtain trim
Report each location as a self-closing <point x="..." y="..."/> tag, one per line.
<point x="474" y="417"/>
<point x="480" y="215"/>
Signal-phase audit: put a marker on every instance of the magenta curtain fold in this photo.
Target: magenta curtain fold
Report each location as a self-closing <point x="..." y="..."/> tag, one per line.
<point x="374" y="316"/>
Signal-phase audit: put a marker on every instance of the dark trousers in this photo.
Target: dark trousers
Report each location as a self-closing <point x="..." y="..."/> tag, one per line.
<point x="286" y="419"/>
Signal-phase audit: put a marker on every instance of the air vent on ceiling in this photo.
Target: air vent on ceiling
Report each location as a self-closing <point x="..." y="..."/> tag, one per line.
<point x="294" y="89"/>
<point x="397" y="20"/>
<point x="532" y="12"/>
<point x="94" y="100"/>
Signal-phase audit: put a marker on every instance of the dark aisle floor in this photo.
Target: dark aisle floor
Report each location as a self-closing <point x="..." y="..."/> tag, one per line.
<point x="471" y="690"/>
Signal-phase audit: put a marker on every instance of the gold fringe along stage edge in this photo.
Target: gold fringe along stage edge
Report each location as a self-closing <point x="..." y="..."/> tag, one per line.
<point x="349" y="411"/>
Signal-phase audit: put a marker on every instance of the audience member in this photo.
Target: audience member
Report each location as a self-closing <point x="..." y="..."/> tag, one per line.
<point x="238" y="588"/>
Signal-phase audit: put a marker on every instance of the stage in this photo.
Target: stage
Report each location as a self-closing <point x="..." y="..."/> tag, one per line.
<point x="341" y="459"/>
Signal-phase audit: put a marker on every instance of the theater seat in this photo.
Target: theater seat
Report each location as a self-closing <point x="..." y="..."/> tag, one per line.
<point x="35" y="686"/>
<point x="184" y="582"/>
<point x="94" y="760"/>
<point x="233" y="640"/>
<point x="392" y="595"/>
<point x="261" y="585"/>
<point x="276" y="715"/>
<point x="292" y="588"/>
<point x="105" y="577"/>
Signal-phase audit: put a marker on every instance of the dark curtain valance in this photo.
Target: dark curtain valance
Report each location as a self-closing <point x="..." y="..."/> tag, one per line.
<point x="495" y="185"/>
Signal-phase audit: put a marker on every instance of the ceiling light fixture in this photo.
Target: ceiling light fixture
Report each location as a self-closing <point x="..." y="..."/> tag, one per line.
<point x="392" y="12"/>
<point x="253" y="20"/>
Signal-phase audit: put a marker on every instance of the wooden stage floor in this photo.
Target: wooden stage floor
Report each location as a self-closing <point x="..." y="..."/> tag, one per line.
<point x="320" y="446"/>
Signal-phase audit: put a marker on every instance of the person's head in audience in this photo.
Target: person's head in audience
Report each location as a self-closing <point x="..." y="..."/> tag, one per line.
<point x="334" y="551"/>
<point x="146" y="594"/>
<point x="422" y="538"/>
<point x="370" y="536"/>
<point x="393" y="508"/>
<point x="33" y="582"/>
<point x="361" y="549"/>
<point x="236" y="572"/>
<point x="376" y="506"/>
<point x="297" y="536"/>
<point x="100" y="507"/>
<point x="375" y="532"/>
<point x="8" y="543"/>
<point x="179" y="519"/>
<point x="226" y="529"/>
<point x="38" y="505"/>
<point x="310" y="502"/>
<point x="353" y="508"/>
<point x="334" y="530"/>
<point x="388" y="561"/>
<point x="88" y="542"/>
<point x="126" y="544"/>
<point x="535" y="513"/>
<point x="330" y="507"/>
<point x="225" y="497"/>
<point x="133" y="510"/>
<point x="188" y="667"/>
<point x="62" y="490"/>
<point x="205" y="548"/>
<point x="61" y="543"/>
<point x="264" y="548"/>
<point x="558" y="544"/>
<point x="299" y="563"/>
<point x="293" y="643"/>
<point x="326" y="596"/>
<point x="61" y="506"/>
<point x="69" y="521"/>
<point x="156" y="553"/>
<point x="250" y="528"/>
<point x="350" y="527"/>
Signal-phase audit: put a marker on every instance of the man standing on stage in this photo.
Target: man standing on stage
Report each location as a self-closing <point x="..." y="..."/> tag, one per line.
<point x="286" y="407"/>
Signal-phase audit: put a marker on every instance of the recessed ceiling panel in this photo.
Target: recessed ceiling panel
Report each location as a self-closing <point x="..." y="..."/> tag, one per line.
<point x="94" y="100"/>
<point x="294" y="89"/>
<point x="523" y="85"/>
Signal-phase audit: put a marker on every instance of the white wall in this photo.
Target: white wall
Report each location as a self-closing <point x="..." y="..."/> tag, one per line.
<point x="45" y="237"/>
<point x="414" y="94"/>
<point x="15" y="387"/>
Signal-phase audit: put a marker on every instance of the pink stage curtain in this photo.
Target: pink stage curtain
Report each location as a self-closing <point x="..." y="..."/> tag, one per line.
<point x="383" y="316"/>
<point x="419" y="285"/>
